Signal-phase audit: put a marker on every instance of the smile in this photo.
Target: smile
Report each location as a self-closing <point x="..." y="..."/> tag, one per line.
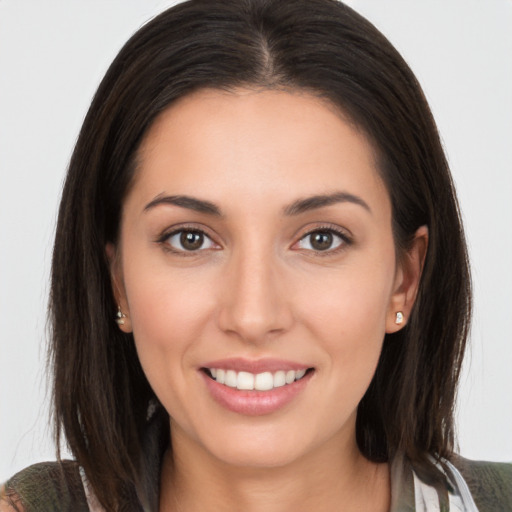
<point x="246" y="381"/>
<point x="255" y="387"/>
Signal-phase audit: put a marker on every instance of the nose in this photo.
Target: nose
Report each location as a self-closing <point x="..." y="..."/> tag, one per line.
<point x="254" y="303"/>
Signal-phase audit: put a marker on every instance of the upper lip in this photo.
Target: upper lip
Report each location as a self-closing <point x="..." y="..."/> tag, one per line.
<point x="240" y="364"/>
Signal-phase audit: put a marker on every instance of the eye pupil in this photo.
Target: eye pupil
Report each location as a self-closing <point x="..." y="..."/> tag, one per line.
<point x="191" y="240"/>
<point x="321" y="240"/>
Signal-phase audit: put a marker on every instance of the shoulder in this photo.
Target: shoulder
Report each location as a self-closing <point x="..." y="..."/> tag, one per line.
<point x="490" y="483"/>
<point x="7" y="502"/>
<point x="43" y="487"/>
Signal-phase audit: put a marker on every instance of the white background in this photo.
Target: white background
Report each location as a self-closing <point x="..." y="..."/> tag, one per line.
<point x="52" y="57"/>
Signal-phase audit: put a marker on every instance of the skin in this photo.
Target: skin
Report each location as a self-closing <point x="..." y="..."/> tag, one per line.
<point x="4" y="505"/>
<point x="257" y="288"/>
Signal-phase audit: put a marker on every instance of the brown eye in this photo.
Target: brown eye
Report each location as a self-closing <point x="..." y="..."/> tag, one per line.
<point x="189" y="241"/>
<point x="322" y="240"/>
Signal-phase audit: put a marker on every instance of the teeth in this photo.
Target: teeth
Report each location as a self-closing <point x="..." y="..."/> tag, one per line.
<point x="279" y="379"/>
<point x="260" y="382"/>
<point x="230" y="379"/>
<point x="290" y="376"/>
<point x="245" y="380"/>
<point x="299" y="374"/>
<point x="264" y="381"/>
<point x="221" y="376"/>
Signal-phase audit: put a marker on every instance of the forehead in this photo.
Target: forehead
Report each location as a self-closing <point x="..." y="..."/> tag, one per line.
<point x="255" y="144"/>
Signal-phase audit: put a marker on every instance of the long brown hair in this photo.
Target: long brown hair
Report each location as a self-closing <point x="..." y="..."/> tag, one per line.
<point x="101" y="395"/>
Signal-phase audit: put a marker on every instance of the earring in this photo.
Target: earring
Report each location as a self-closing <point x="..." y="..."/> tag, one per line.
<point x="120" y="316"/>
<point x="399" y="318"/>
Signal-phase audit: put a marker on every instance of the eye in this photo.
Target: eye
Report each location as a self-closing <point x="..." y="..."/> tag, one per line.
<point x="189" y="240"/>
<point x="322" y="240"/>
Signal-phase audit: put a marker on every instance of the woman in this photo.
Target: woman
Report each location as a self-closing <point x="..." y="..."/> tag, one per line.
<point x="266" y="212"/>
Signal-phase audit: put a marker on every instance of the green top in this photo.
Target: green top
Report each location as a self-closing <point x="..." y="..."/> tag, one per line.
<point x="53" y="486"/>
<point x="48" y="486"/>
<point x="58" y="486"/>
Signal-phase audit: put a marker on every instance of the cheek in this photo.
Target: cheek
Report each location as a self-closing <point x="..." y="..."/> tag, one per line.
<point x="168" y="309"/>
<point x="346" y="313"/>
<point x="352" y="303"/>
<point x="169" y="313"/>
<point x="167" y="306"/>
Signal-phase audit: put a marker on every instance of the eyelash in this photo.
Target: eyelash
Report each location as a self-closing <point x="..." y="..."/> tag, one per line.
<point x="164" y="240"/>
<point x="346" y="240"/>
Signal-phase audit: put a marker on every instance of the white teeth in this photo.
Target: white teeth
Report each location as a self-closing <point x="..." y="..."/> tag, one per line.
<point x="230" y="379"/>
<point x="221" y="376"/>
<point x="247" y="381"/>
<point x="264" y="381"/>
<point x="279" y="379"/>
<point x="299" y="374"/>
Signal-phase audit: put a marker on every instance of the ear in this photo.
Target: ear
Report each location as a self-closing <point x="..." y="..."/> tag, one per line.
<point x="122" y="315"/>
<point x="407" y="281"/>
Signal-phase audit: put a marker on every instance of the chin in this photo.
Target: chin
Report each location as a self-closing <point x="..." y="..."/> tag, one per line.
<point x="260" y="448"/>
<point x="264" y="457"/>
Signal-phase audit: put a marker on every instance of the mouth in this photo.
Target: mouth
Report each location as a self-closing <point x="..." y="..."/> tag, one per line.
<point x="263" y="381"/>
<point x="256" y="387"/>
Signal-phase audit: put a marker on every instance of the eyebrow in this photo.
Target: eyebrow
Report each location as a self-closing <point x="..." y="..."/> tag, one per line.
<point x="320" y="201"/>
<point x="191" y="203"/>
<point x="295" y="208"/>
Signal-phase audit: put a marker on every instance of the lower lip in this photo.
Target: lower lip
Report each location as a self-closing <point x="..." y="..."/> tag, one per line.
<point x="255" y="403"/>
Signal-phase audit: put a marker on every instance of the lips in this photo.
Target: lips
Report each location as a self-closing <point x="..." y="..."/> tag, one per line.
<point x="255" y="387"/>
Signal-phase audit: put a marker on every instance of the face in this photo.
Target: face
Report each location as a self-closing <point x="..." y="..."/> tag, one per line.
<point x="257" y="268"/>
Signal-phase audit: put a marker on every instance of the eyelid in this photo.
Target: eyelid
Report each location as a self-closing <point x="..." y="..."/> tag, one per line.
<point x="343" y="233"/>
<point x="176" y="229"/>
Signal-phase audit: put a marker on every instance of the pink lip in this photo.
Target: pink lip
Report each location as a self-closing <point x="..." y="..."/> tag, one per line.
<point x="240" y="364"/>
<point x="255" y="403"/>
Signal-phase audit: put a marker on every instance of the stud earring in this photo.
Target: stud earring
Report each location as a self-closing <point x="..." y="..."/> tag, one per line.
<point x="120" y="316"/>
<point x="399" y="318"/>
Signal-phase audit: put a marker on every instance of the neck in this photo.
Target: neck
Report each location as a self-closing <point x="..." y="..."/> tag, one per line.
<point x="193" y="480"/>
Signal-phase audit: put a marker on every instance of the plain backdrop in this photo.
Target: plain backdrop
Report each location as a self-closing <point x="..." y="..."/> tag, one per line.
<point x="52" y="57"/>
